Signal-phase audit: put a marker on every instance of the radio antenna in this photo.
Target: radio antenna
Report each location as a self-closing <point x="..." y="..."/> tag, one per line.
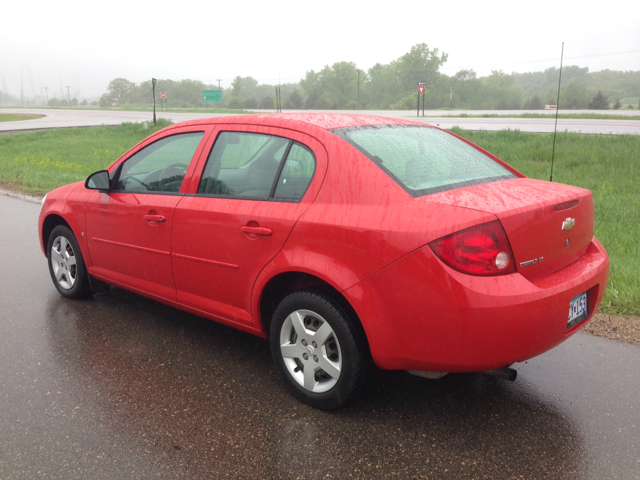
<point x="555" y="129"/>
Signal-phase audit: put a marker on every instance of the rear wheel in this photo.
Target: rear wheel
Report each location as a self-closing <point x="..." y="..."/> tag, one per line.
<point x="317" y="350"/>
<point x="66" y="264"/>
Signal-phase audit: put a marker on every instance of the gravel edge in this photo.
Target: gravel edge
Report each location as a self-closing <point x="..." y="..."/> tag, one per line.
<point x="21" y="196"/>
<point x="615" y="327"/>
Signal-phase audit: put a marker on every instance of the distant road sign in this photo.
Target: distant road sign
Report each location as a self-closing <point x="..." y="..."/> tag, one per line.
<point x="212" y="96"/>
<point x="421" y="89"/>
<point x="163" y="94"/>
<point x="421" y="84"/>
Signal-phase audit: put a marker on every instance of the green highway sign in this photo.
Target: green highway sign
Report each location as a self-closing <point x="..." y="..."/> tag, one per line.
<point x="212" y="96"/>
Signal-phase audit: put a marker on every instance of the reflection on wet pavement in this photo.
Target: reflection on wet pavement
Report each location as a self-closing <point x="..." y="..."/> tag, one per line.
<point x="119" y="386"/>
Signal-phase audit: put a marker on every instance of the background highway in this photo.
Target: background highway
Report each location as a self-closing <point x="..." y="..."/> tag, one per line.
<point x="57" y="118"/>
<point x="118" y="386"/>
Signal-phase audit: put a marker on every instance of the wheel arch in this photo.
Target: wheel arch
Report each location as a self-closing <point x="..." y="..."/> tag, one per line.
<point x="285" y="283"/>
<point x="51" y="222"/>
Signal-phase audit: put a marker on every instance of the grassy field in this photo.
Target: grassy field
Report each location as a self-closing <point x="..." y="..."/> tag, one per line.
<point x="36" y="162"/>
<point x="608" y="165"/>
<point x="10" y="117"/>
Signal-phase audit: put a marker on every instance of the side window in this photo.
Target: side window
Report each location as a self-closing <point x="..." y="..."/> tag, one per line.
<point x="243" y="165"/>
<point x="296" y="174"/>
<point x="159" y="167"/>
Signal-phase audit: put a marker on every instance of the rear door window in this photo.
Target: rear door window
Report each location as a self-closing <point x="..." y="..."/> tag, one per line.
<point x="246" y="165"/>
<point x="296" y="174"/>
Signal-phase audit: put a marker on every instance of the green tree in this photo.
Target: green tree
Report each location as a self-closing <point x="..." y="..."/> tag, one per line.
<point x="250" y="103"/>
<point x="393" y="83"/>
<point x="502" y="92"/>
<point x="468" y="90"/>
<point x="312" y="86"/>
<point x="420" y="64"/>
<point x="533" y="103"/>
<point x="104" y="101"/>
<point x="573" y="96"/>
<point x="236" y="103"/>
<point x="380" y="86"/>
<point x="267" y="103"/>
<point x="119" y="90"/>
<point x="243" y="87"/>
<point x="599" y="102"/>
<point x="332" y="87"/>
<point x="294" y="100"/>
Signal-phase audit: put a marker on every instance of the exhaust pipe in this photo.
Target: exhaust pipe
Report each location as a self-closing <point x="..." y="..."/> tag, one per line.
<point x="504" y="372"/>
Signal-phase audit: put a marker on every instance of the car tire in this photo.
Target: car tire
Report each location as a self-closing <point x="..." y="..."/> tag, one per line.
<point x="66" y="264"/>
<point x="317" y="350"/>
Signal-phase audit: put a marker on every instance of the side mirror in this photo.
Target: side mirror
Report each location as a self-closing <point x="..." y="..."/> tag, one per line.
<point x="98" y="181"/>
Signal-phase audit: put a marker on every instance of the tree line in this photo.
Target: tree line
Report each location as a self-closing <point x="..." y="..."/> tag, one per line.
<point x="343" y="86"/>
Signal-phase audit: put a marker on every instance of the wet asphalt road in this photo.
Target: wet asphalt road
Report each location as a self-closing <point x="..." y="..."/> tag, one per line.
<point x="59" y="118"/>
<point x="119" y="386"/>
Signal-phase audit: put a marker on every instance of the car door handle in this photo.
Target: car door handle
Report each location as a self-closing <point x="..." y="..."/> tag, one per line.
<point x="155" y="218"/>
<point x="262" y="231"/>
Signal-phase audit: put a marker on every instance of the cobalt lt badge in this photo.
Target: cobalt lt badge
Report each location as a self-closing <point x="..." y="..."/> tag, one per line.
<point x="568" y="224"/>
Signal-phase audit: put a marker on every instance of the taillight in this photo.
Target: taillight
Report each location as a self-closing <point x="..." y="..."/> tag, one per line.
<point x="481" y="250"/>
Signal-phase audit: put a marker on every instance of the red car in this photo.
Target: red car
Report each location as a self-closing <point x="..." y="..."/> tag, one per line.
<point x="341" y="238"/>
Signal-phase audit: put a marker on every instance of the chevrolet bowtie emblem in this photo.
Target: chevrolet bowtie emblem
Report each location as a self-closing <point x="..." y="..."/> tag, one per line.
<point x="568" y="224"/>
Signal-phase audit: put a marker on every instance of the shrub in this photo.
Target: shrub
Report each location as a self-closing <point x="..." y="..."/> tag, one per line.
<point x="267" y="103"/>
<point x="599" y="102"/>
<point x="250" y="103"/>
<point x="235" y="103"/>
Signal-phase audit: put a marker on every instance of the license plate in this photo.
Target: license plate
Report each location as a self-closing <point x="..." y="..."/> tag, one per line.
<point x="578" y="310"/>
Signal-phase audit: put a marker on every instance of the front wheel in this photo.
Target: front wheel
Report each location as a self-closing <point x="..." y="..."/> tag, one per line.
<point x="66" y="264"/>
<point x="317" y="350"/>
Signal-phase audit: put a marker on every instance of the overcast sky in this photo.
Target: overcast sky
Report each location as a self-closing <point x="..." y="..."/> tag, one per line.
<point x="86" y="44"/>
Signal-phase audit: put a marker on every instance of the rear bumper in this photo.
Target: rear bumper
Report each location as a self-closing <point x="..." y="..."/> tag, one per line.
<point x="421" y="315"/>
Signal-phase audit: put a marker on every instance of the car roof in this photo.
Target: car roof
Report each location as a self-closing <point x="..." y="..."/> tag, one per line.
<point x="302" y="121"/>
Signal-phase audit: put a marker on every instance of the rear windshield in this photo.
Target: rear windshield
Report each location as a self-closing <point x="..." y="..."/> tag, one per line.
<point x="424" y="160"/>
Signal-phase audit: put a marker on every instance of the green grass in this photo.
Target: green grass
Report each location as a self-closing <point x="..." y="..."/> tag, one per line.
<point x="10" y="117"/>
<point x="586" y="116"/>
<point x="609" y="166"/>
<point x="36" y="162"/>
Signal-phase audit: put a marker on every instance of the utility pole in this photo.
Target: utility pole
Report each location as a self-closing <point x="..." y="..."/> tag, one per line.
<point x="21" y="98"/>
<point x="68" y="96"/>
<point x="46" y="92"/>
<point x="153" y="82"/>
<point x="358" y="89"/>
<point x="218" y="79"/>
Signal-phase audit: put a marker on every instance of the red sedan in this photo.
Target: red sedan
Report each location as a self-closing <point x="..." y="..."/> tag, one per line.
<point x="341" y="238"/>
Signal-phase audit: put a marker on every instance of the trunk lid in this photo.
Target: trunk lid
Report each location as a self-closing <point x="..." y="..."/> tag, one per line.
<point x="549" y="225"/>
